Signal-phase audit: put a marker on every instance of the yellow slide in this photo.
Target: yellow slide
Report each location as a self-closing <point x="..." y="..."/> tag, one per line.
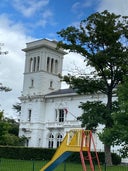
<point x="71" y="143"/>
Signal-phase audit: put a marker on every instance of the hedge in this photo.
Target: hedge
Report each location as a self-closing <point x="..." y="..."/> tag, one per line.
<point x="27" y="153"/>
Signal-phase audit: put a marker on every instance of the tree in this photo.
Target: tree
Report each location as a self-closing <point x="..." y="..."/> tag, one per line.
<point x="102" y="41"/>
<point x="121" y="118"/>
<point x="17" y="107"/>
<point x="9" y="129"/>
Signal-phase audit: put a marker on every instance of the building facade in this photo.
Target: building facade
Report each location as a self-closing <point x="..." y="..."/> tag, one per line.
<point x="47" y="111"/>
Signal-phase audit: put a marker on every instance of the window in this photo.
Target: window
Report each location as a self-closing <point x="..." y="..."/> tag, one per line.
<point x="32" y="83"/>
<point x="31" y="65"/>
<point x="51" y="141"/>
<point x="26" y="143"/>
<point x="52" y="63"/>
<point x="48" y="63"/>
<point x="56" y="66"/>
<point x="59" y="140"/>
<point x="51" y="84"/>
<point x="60" y="115"/>
<point x="38" y="63"/>
<point x="29" y="114"/>
<point x="34" y="64"/>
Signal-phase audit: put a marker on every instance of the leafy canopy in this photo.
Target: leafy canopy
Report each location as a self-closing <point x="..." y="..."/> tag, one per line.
<point x="121" y="118"/>
<point x="102" y="40"/>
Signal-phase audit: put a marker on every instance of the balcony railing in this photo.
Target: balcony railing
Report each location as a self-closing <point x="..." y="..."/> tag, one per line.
<point x="69" y="124"/>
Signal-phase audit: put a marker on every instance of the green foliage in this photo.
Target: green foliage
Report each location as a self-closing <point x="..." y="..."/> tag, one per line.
<point x="4" y="88"/>
<point x="9" y="129"/>
<point x="17" y="107"/>
<point x="116" y="159"/>
<point x="99" y="39"/>
<point x="95" y="113"/>
<point x="26" y="153"/>
<point x="121" y="118"/>
<point x="102" y="41"/>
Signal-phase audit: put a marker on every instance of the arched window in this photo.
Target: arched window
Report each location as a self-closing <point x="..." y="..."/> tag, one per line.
<point x="51" y="141"/>
<point x="48" y="64"/>
<point x="52" y="65"/>
<point x="59" y="140"/>
<point x="31" y="65"/>
<point x="34" y="64"/>
<point x="56" y="66"/>
<point x="38" y="63"/>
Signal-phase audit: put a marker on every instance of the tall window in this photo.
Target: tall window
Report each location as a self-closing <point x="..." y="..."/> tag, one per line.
<point x="26" y="142"/>
<point x="31" y="65"/>
<point x="52" y="65"/>
<point x="29" y="114"/>
<point x="34" y="64"/>
<point x="56" y="66"/>
<point x="38" y="63"/>
<point x="51" y="141"/>
<point x="51" y="84"/>
<point x="32" y="83"/>
<point x="60" y="115"/>
<point x="59" y="140"/>
<point x="48" y="64"/>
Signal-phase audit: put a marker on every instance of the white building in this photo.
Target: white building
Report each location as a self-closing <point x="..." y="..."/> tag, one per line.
<point x="47" y="111"/>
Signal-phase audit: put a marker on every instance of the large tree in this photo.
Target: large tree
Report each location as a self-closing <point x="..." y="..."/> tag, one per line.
<point x="121" y="118"/>
<point x="102" y="40"/>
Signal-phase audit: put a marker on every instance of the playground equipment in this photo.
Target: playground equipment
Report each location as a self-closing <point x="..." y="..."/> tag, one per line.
<point x="76" y="140"/>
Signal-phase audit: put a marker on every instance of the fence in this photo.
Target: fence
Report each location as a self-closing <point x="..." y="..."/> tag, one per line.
<point x="31" y="165"/>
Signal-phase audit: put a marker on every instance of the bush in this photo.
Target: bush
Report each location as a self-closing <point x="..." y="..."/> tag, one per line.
<point x="116" y="159"/>
<point x="46" y="154"/>
<point x="26" y="153"/>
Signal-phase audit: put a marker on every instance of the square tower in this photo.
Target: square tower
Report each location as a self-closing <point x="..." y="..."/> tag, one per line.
<point x="43" y="64"/>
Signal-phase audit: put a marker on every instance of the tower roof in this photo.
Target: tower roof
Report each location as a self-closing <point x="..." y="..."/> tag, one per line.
<point x="51" y="44"/>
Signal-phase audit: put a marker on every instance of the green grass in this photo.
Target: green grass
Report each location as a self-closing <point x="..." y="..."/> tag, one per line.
<point x="23" y="165"/>
<point x="20" y="165"/>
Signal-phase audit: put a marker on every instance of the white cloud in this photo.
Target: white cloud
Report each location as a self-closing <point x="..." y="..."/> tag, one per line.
<point x="12" y="64"/>
<point x="78" y="6"/>
<point x="29" y="8"/>
<point x="38" y="11"/>
<point x="46" y="18"/>
<point x="116" y="6"/>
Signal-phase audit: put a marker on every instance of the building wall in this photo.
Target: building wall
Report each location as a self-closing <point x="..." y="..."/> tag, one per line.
<point x="39" y="121"/>
<point x="44" y="122"/>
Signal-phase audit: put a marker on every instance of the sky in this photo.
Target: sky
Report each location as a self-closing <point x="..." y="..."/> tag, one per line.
<point x="22" y="21"/>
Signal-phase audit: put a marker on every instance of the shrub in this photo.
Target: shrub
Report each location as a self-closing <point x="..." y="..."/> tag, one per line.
<point x="46" y="154"/>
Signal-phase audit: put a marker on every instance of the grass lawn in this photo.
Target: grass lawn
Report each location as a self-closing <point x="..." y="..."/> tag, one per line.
<point x="23" y="165"/>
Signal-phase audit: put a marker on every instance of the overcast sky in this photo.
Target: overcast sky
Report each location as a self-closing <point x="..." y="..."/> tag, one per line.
<point x="22" y="21"/>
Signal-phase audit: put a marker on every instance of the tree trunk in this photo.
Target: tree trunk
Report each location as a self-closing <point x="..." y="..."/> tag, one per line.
<point x="107" y="148"/>
<point x="108" y="158"/>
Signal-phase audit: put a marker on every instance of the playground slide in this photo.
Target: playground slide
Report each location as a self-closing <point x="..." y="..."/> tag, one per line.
<point x="75" y="141"/>
<point x="60" y="155"/>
